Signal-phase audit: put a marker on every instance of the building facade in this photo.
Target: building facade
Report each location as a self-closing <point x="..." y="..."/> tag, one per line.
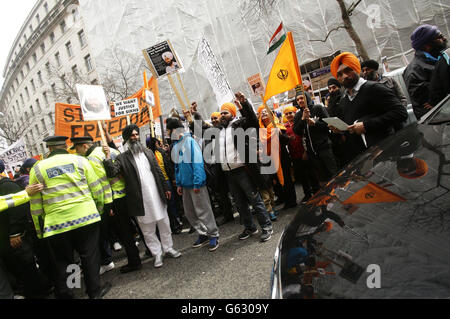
<point x="50" y="45"/>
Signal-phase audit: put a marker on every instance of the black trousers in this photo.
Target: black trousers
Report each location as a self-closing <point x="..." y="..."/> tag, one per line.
<point x="84" y="241"/>
<point x="126" y="237"/>
<point x="324" y="164"/>
<point x="304" y="173"/>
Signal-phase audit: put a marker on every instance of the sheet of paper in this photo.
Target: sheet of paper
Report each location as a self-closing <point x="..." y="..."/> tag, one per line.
<point x="336" y="122"/>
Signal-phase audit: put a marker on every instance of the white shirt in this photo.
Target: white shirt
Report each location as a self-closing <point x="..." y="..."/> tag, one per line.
<point x="356" y="88"/>
<point x="155" y="209"/>
<point x="229" y="157"/>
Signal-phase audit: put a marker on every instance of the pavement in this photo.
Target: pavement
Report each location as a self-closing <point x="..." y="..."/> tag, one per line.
<point x="238" y="269"/>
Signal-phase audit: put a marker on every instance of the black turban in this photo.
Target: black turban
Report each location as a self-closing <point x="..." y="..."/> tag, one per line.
<point x="128" y="130"/>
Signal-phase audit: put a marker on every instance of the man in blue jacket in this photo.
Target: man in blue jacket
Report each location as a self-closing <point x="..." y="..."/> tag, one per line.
<point x="190" y="178"/>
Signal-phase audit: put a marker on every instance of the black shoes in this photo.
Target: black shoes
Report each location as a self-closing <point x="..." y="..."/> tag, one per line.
<point x="104" y="290"/>
<point x="224" y="220"/>
<point x="129" y="268"/>
<point x="247" y="233"/>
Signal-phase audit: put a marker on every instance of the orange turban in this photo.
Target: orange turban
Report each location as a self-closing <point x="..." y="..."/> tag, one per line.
<point x="215" y="114"/>
<point x="260" y="108"/>
<point x="290" y="109"/>
<point x="230" y="107"/>
<point x="348" y="59"/>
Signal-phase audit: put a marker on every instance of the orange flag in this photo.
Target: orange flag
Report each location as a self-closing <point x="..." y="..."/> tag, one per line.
<point x="372" y="193"/>
<point x="285" y="74"/>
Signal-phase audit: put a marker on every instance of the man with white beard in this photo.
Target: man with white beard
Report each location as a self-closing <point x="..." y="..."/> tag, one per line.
<point x="147" y="193"/>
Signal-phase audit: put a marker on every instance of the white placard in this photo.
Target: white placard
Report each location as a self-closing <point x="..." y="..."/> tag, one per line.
<point x="93" y="102"/>
<point x="336" y="122"/>
<point x="126" y="107"/>
<point x="150" y="98"/>
<point x="214" y="73"/>
<point x="14" y="155"/>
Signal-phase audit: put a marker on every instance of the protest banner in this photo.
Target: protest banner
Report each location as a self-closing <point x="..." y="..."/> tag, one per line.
<point x="93" y="102"/>
<point x="126" y="107"/>
<point x="162" y="59"/>
<point x="256" y="84"/>
<point x="69" y="120"/>
<point x="214" y="73"/>
<point x="14" y="155"/>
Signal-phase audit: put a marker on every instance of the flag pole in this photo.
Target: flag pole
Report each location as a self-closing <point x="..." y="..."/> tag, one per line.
<point x="177" y="93"/>
<point x="150" y="109"/>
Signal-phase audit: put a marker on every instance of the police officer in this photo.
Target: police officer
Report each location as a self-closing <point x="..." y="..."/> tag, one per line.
<point x="84" y="146"/>
<point x="115" y="194"/>
<point x="67" y="213"/>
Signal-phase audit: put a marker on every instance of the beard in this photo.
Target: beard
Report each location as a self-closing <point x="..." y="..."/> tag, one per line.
<point x="372" y="76"/>
<point x="349" y="83"/>
<point x="224" y="122"/>
<point x="135" y="146"/>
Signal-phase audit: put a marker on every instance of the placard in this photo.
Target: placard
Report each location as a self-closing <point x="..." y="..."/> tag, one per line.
<point x="14" y="155"/>
<point x="162" y="59"/>
<point x="126" y="107"/>
<point x="256" y="84"/>
<point x="214" y="73"/>
<point x="93" y="102"/>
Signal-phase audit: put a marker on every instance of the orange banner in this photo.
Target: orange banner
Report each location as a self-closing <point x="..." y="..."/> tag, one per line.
<point x="69" y="118"/>
<point x="372" y="193"/>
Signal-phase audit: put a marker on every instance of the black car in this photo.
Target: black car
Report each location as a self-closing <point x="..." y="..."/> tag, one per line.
<point x="380" y="228"/>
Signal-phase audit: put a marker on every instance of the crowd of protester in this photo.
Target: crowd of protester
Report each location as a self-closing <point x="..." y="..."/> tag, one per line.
<point x="155" y="191"/>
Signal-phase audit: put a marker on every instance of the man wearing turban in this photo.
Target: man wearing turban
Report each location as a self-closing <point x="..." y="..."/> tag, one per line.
<point x="370" y="109"/>
<point x="430" y="45"/>
<point x="242" y="176"/>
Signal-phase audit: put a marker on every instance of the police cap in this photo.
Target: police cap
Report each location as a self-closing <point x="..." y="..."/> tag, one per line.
<point x="56" y="140"/>
<point x="80" y="140"/>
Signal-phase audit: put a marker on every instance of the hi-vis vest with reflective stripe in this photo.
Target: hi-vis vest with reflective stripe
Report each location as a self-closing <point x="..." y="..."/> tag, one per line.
<point x="96" y="160"/>
<point x="117" y="183"/>
<point x="72" y="195"/>
<point x="13" y="200"/>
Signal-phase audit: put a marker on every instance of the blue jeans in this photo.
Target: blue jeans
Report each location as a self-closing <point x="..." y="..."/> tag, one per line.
<point x="245" y="193"/>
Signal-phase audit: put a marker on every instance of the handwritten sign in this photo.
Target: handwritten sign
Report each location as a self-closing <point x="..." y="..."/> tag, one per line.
<point x="14" y="155"/>
<point x="126" y="107"/>
<point x="214" y="73"/>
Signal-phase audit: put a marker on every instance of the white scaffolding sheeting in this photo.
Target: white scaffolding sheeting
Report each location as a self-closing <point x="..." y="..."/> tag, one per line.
<point x="239" y="34"/>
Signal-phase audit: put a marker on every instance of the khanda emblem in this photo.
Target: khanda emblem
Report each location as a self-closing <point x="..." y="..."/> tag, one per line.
<point x="283" y="74"/>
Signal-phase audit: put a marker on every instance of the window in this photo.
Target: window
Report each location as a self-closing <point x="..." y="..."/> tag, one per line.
<point x="28" y="94"/>
<point x="25" y="38"/>
<point x="54" y="90"/>
<point x="38" y="104"/>
<point x="31" y="110"/>
<point x="47" y="67"/>
<point x="52" y="37"/>
<point x="37" y="131"/>
<point x="88" y="62"/>
<point x="21" y="99"/>
<point x="34" y="58"/>
<point x="52" y="119"/>
<point x="39" y="74"/>
<point x="45" y="97"/>
<point x="31" y="28"/>
<point x="43" y="48"/>
<point x="58" y="61"/>
<point x="75" y="14"/>
<point x="75" y="70"/>
<point x="62" y="25"/>
<point x="69" y="49"/>
<point x="46" y="7"/>
<point x="38" y="19"/>
<point x="82" y="38"/>
<point x="22" y="76"/>
<point x="33" y="87"/>
<point x="27" y="66"/>
<point x="44" y="128"/>
<point x="94" y="82"/>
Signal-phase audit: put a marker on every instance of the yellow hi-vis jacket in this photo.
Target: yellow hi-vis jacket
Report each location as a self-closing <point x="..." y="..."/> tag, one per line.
<point x="72" y="196"/>
<point x="13" y="200"/>
<point x="96" y="159"/>
<point x="117" y="183"/>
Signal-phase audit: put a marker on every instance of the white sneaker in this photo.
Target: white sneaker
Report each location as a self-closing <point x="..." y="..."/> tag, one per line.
<point x="117" y="246"/>
<point x="173" y="253"/>
<point x="158" y="261"/>
<point x="137" y="244"/>
<point x="106" y="268"/>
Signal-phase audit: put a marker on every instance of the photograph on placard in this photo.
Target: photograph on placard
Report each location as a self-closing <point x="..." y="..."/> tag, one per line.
<point x="162" y="59"/>
<point x="256" y="84"/>
<point x="93" y="102"/>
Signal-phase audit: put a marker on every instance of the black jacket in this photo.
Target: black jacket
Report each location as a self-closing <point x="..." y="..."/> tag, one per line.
<point x="378" y="108"/>
<point x="14" y="220"/>
<point x="126" y="166"/>
<point x="417" y="76"/>
<point x="440" y="82"/>
<point x="316" y="136"/>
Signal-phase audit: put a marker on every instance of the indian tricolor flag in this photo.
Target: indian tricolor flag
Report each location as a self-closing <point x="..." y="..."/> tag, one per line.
<point x="277" y="38"/>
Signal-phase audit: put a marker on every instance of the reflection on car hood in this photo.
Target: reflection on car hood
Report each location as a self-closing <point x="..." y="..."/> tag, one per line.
<point x="383" y="221"/>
